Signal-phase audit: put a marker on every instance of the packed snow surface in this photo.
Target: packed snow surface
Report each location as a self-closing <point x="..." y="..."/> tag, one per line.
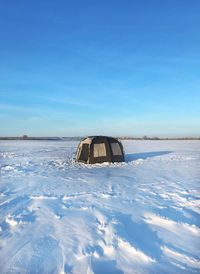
<point x="59" y="216"/>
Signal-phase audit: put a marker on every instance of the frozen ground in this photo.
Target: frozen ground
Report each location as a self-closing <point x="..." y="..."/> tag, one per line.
<point x="141" y="216"/>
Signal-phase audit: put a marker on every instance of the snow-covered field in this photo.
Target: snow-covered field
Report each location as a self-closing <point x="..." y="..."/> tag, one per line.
<point x="141" y="216"/>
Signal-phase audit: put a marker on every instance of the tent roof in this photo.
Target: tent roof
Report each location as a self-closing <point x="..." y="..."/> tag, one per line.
<point x="89" y="139"/>
<point x="98" y="136"/>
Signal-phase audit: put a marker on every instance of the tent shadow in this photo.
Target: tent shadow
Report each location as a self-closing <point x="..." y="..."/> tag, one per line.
<point x="145" y="155"/>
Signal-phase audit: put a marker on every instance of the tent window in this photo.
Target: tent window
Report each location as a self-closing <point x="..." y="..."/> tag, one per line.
<point x="84" y="153"/>
<point x="116" y="150"/>
<point x="99" y="150"/>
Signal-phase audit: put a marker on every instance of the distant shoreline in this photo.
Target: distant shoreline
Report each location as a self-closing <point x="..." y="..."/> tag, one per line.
<point x="80" y="138"/>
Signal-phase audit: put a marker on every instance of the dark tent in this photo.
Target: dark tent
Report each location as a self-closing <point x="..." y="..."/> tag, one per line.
<point x="99" y="149"/>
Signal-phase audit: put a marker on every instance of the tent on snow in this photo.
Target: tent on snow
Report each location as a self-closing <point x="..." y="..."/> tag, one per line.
<point x="99" y="149"/>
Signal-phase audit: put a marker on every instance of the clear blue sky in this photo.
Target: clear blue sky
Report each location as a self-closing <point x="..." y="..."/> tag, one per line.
<point x="113" y="67"/>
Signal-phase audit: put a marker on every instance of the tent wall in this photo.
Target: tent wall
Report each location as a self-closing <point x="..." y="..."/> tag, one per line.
<point x="101" y="159"/>
<point x="84" y="153"/>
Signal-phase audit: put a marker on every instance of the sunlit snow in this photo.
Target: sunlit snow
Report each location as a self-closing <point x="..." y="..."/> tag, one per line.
<point x="59" y="216"/>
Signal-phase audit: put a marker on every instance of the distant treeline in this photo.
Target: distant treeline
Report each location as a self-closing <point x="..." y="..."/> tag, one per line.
<point x="25" y="137"/>
<point x="42" y="138"/>
<point x="158" y="138"/>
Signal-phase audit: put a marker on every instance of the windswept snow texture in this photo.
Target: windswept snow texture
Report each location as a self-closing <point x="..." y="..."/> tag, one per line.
<point x="141" y="216"/>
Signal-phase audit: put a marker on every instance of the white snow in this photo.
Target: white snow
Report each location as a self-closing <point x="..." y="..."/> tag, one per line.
<point x="10" y="221"/>
<point x="59" y="216"/>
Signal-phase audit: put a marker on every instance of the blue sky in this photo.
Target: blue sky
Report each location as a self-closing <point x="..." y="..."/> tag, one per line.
<point x="71" y="68"/>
